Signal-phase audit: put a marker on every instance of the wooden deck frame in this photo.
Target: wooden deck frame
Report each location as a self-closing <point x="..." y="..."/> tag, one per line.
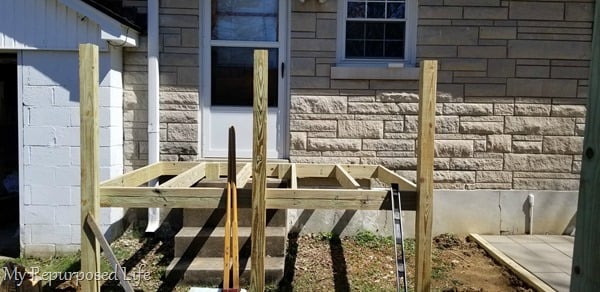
<point x="130" y="190"/>
<point x="179" y="190"/>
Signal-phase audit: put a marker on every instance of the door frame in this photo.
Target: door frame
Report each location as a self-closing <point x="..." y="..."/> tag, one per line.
<point x="204" y="63"/>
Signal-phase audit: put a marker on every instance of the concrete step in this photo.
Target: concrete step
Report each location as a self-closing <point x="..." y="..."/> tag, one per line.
<point x="209" y="271"/>
<point x="216" y="217"/>
<point x="208" y="241"/>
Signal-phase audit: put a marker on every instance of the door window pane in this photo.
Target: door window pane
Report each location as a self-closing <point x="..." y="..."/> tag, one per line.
<point x="232" y="76"/>
<point x="244" y="20"/>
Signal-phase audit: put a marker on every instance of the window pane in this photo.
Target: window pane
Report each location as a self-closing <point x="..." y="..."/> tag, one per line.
<point x="374" y="49"/>
<point x="355" y="30"/>
<point x="376" y="10"/>
<point x="394" y="49"/>
<point x="355" y="49"/>
<point x="395" y="31"/>
<point x="232" y="76"/>
<point x="395" y="10"/>
<point x="375" y="30"/>
<point x="356" y="9"/>
<point x="244" y="20"/>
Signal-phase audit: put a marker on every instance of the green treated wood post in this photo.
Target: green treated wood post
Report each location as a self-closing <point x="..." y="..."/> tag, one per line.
<point x="585" y="273"/>
<point x="90" y="202"/>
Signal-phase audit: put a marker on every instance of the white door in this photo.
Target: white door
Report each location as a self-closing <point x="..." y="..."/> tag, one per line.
<point x="231" y="31"/>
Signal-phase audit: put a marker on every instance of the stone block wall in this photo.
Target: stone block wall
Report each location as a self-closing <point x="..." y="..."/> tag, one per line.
<point x="512" y="84"/>
<point x="179" y="104"/>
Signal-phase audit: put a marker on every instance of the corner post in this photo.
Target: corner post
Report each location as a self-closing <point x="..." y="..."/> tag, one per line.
<point x="425" y="153"/>
<point x="88" y="95"/>
<point x="585" y="272"/>
<point x="259" y="170"/>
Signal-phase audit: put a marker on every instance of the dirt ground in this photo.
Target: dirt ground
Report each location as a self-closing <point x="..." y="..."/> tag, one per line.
<point x="323" y="262"/>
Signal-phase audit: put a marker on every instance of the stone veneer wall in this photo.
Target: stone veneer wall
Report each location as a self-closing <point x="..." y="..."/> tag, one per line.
<point x="512" y="91"/>
<point x="179" y="108"/>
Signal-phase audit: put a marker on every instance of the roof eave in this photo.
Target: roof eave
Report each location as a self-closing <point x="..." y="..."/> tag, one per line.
<point x="112" y="30"/>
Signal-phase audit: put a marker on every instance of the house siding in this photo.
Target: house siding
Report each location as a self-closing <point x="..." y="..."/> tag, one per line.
<point x="512" y="88"/>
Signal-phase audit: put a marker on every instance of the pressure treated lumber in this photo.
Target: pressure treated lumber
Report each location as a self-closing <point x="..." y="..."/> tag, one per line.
<point x="344" y="178"/>
<point x="112" y="259"/>
<point x="259" y="166"/>
<point x="585" y="274"/>
<point x="426" y="136"/>
<point x="188" y="177"/>
<point x="88" y="96"/>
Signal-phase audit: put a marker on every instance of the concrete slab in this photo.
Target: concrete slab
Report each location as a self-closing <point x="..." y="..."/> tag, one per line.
<point x="547" y="257"/>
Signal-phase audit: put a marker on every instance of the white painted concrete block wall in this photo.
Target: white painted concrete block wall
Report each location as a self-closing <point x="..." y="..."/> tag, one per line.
<point x="51" y="162"/>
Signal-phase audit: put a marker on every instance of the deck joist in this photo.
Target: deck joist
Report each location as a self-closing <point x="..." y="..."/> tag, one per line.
<point x="303" y="186"/>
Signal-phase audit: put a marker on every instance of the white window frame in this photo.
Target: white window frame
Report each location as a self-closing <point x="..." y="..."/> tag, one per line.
<point x="410" y="44"/>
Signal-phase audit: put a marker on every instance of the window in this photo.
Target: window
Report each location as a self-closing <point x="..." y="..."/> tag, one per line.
<point x="377" y="31"/>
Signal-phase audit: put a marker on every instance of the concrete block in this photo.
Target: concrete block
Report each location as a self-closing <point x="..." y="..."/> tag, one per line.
<point x="485" y="13"/>
<point x="360" y="129"/>
<point x="579" y="11"/>
<point x="189" y="37"/>
<point x="499" y="143"/>
<point x="187" y="76"/>
<point x="319" y="45"/>
<point x="539" y="125"/>
<point x="453" y="177"/>
<point x="392" y="163"/>
<point x="482" y="51"/>
<point x="543" y="49"/>
<point x="559" y="110"/>
<point x="436" y="51"/>
<point x="526" y="147"/>
<point x="443" y="12"/>
<point x="393" y="126"/>
<point x="446" y="124"/>
<point x="481" y="127"/>
<point x="49" y="195"/>
<point x="302" y="82"/>
<point x="68" y="176"/>
<point x="447" y="35"/>
<point x="372" y="108"/>
<point x="49" y="116"/>
<point x="533" y="71"/>
<point x="326" y="28"/>
<point x="50" y="156"/>
<point x="453" y="148"/>
<point x="524" y="87"/>
<point x="319" y="104"/>
<point x="334" y="144"/>
<point x="467" y="109"/>
<point x="303" y="67"/>
<point x="494" y="177"/>
<point x="463" y="64"/>
<point x="38" y="215"/>
<point x="570" y="72"/>
<point x="497" y="33"/>
<point x="388" y="144"/>
<point x="40" y="175"/>
<point x="179" y="21"/>
<point x="298" y="140"/>
<point x="485" y="90"/>
<point x="476" y="164"/>
<point x="538" y="162"/>
<point x="39" y="250"/>
<point x="67" y="136"/>
<point x="183" y="148"/>
<point x="304" y="21"/>
<point x="562" y="145"/>
<point x="501" y="68"/>
<point x="182" y="132"/>
<point x="501" y="109"/>
<point x="536" y="10"/>
<point x="51" y="234"/>
<point x="38" y="96"/>
<point x="313" y="126"/>
<point x="523" y="109"/>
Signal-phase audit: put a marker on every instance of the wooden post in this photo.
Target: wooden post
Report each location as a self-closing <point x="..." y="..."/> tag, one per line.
<point x="427" y="93"/>
<point x="259" y="171"/>
<point x="90" y="203"/>
<point x="585" y="273"/>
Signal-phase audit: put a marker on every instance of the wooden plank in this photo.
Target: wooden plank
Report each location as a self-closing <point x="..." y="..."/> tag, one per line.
<point x="521" y="272"/>
<point x="358" y="171"/>
<point x="387" y="176"/>
<point x="259" y="175"/>
<point x="344" y="178"/>
<point x="137" y="177"/>
<point x="426" y="136"/>
<point x="314" y="170"/>
<point x="187" y="178"/>
<point x="585" y="275"/>
<point x="110" y="255"/>
<point x="213" y="170"/>
<point x="293" y="177"/>
<point x="90" y="166"/>
<point x="243" y="176"/>
<point x="175" y="167"/>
